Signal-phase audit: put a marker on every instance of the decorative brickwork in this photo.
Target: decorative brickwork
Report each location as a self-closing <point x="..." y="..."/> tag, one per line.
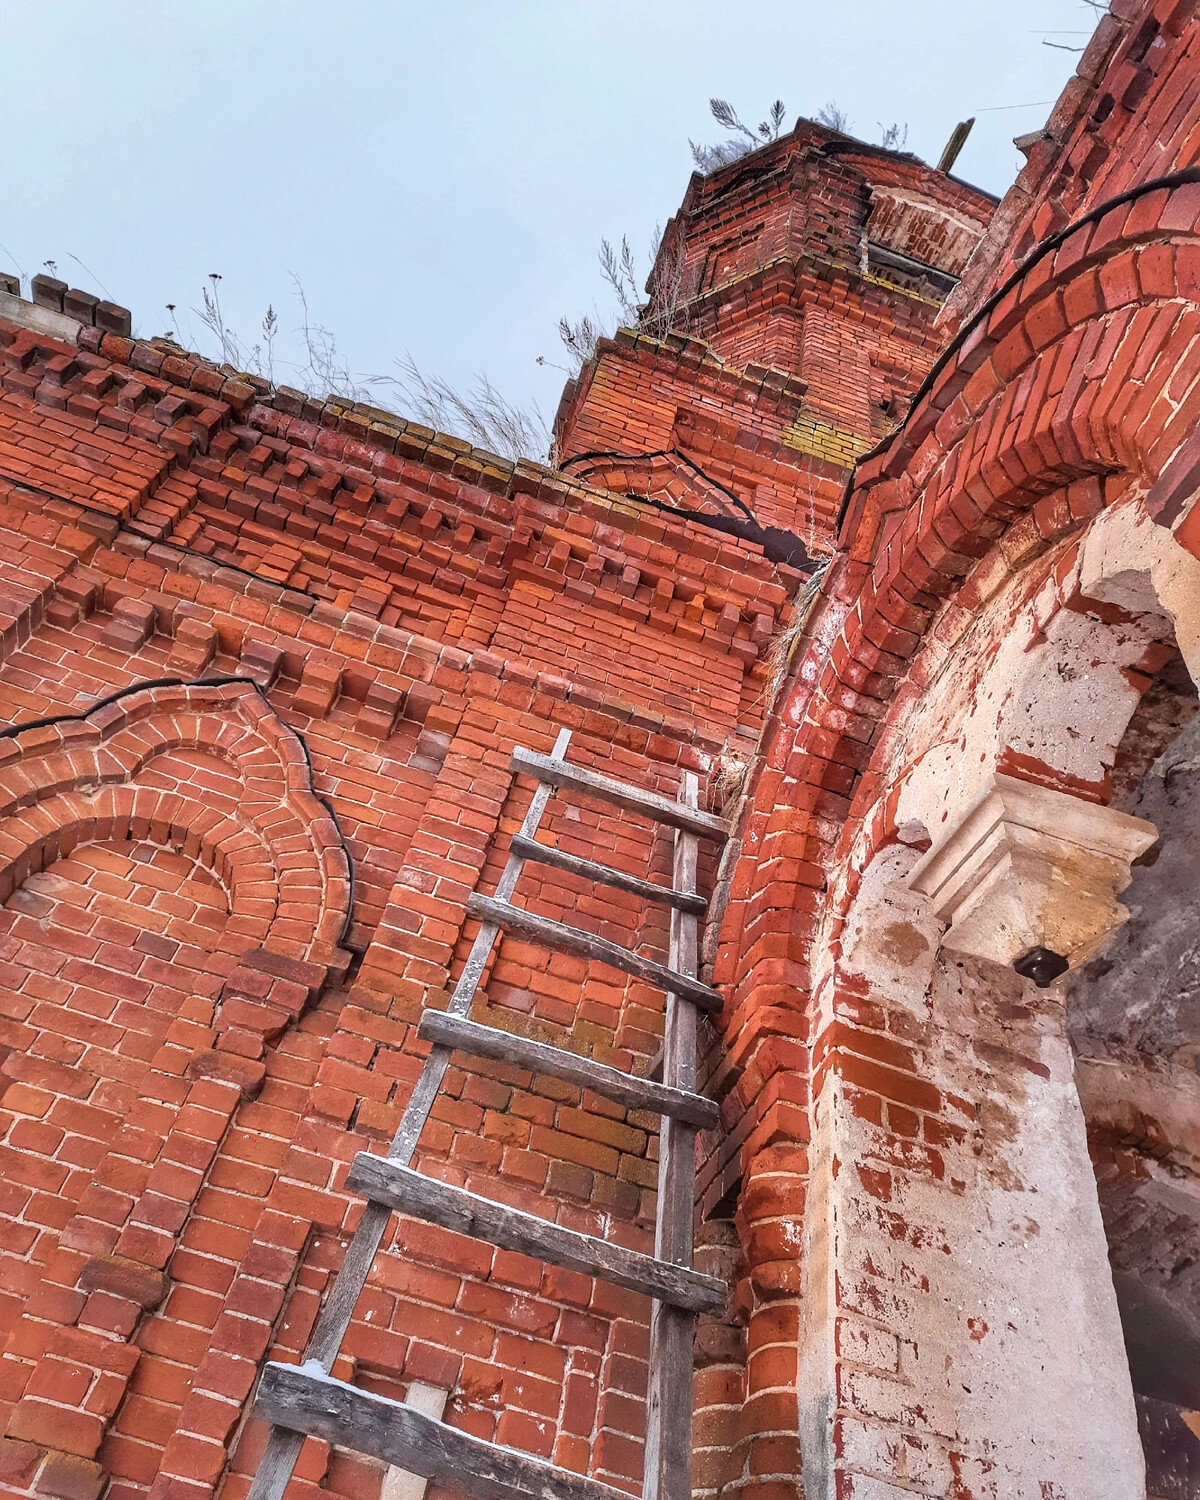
<point x="263" y="662"/>
<point x="809" y="277"/>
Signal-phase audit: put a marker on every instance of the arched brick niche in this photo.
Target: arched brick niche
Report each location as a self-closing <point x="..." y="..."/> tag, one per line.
<point x="104" y="950"/>
<point x="174" y="896"/>
<point x="209" y="768"/>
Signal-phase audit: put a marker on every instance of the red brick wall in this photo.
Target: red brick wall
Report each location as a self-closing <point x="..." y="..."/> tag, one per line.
<point x="809" y="348"/>
<point x="409" y="610"/>
<point x="398" y="611"/>
<point x="1087" y="363"/>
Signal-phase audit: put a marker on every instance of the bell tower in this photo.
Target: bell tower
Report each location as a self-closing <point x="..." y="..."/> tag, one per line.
<point x="791" y="315"/>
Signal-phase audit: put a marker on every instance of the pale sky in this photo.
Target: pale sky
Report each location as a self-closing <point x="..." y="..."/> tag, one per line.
<point x="439" y="177"/>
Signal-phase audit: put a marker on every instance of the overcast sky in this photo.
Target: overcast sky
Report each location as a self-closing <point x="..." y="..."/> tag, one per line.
<point x="439" y="176"/>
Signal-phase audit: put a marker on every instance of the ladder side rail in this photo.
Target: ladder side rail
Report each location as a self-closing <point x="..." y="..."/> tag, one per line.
<point x="284" y="1445"/>
<point x="668" y="1452"/>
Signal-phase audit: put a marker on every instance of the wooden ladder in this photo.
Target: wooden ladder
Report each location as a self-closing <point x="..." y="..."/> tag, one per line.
<point x="306" y="1399"/>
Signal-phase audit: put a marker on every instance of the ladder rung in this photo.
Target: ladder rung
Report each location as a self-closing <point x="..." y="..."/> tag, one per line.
<point x="574" y="940"/>
<point x="303" y="1398"/>
<point x="562" y="774"/>
<point x="546" y="854"/>
<point x="540" y="1057"/>
<point x="455" y="1208"/>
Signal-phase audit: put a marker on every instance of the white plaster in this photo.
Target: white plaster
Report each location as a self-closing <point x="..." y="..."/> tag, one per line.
<point x="1032" y="678"/>
<point x="1129" y="561"/>
<point x="891" y="934"/>
<point x="399" y="1484"/>
<point x="1055" y="693"/>
<point x="1027" y="867"/>
<point x="1040" y="1376"/>
<point x="993" y="1278"/>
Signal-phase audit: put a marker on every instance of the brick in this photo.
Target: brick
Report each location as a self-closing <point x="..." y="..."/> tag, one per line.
<point x="70" y="1478"/>
<point x="226" y="905"/>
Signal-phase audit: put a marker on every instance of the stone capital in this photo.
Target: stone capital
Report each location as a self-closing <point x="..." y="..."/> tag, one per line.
<point x="1026" y="868"/>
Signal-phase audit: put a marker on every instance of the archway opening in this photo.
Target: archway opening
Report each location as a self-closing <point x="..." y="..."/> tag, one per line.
<point x="1134" y="1018"/>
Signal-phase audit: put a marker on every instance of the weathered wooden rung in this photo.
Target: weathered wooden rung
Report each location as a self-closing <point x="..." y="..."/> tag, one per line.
<point x="304" y="1399"/>
<point x="455" y="1208"/>
<point x="574" y="940"/>
<point x="632" y="798"/>
<point x="540" y="1057"/>
<point x="546" y="854"/>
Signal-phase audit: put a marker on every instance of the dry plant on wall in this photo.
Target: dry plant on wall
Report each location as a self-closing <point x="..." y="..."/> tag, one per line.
<point x="893" y="137"/>
<point x="479" y="413"/>
<point x="729" y="782"/>
<point x="742" y="141"/>
<point x="732" y="771"/>
<point x="321" y="369"/>
<point x="664" y="313"/>
<point x="779" y="657"/>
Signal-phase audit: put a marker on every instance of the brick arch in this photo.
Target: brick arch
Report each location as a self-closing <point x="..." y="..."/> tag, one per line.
<point x="1047" y="409"/>
<point x="666" y="475"/>
<point x="239" y="859"/>
<point x="279" y="854"/>
<point x="1053" y="403"/>
<point x="1060" y="377"/>
<point x="1068" y="648"/>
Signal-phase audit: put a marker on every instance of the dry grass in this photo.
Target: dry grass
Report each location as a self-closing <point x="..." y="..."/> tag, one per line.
<point x="779" y="657"/>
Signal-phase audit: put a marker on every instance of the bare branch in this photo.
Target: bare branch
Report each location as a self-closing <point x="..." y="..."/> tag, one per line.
<point x="710" y="158"/>
<point x="621" y="275"/>
<point x="725" y="115"/>
<point x="325" y="372"/>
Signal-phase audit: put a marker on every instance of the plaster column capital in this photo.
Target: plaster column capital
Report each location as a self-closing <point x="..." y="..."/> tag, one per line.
<point x="1030" y="874"/>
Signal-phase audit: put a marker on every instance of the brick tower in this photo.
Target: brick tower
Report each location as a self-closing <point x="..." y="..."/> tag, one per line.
<point x="797" y="292"/>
